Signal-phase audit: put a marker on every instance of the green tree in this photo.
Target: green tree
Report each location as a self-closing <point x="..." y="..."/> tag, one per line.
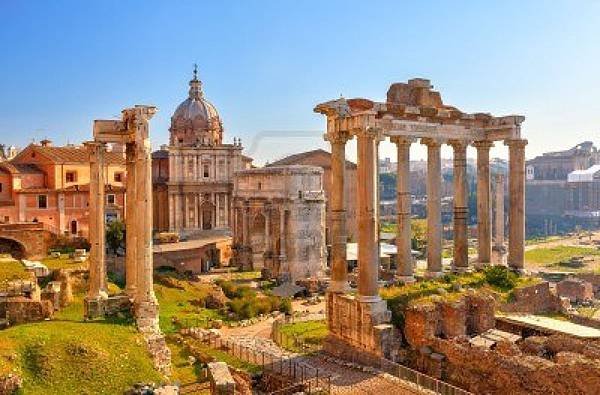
<point x="418" y="228"/>
<point x="115" y="234"/>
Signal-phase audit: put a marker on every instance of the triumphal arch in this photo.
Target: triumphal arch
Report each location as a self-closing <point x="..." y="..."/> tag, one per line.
<point x="412" y="112"/>
<point x="131" y="131"/>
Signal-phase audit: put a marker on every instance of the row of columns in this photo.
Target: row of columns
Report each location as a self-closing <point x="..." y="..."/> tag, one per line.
<point x="368" y="239"/>
<point x="181" y="206"/>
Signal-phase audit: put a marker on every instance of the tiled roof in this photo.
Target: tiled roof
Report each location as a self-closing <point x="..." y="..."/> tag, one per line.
<point x="71" y="154"/>
<point x="297" y="158"/>
<point x="27" y="168"/>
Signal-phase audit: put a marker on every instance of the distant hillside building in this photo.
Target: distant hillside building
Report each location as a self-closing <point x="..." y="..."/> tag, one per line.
<point x="322" y="159"/>
<point x="50" y="185"/>
<point x="562" y="188"/>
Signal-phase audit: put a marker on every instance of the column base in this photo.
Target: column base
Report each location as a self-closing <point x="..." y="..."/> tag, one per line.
<point x="94" y="307"/>
<point x="461" y="269"/>
<point x="405" y="279"/>
<point x="433" y="275"/>
<point x="338" y="286"/>
<point x="368" y="298"/>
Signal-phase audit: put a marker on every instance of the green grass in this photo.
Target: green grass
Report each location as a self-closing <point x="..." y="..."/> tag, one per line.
<point x="556" y="254"/>
<point x="176" y="299"/>
<point x="181" y="370"/>
<point x="66" y="357"/>
<point x="11" y="269"/>
<point x="223" y="356"/>
<point x="297" y="333"/>
<point x="64" y="262"/>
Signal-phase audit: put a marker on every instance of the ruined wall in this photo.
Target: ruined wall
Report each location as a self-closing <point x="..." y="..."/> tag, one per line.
<point x="470" y="314"/>
<point x="575" y="290"/>
<point x="534" y="299"/>
<point x="482" y="371"/>
<point x="18" y="310"/>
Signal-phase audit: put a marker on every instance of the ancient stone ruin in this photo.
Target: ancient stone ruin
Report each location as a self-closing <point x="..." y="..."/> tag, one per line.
<point x="132" y="131"/>
<point x="412" y="111"/>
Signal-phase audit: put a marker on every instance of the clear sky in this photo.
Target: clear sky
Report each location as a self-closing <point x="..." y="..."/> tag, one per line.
<point x="265" y="64"/>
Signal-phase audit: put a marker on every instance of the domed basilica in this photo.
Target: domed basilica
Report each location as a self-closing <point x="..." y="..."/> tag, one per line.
<point x="196" y="169"/>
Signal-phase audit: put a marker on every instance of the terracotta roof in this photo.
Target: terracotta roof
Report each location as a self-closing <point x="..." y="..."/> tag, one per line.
<point x="71" y="154"/>
<point x="27" y="168"/>
<point x="297" y="158"/>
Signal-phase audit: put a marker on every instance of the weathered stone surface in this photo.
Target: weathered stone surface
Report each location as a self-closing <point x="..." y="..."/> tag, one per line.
<point x="18" y="310"/>
<point x="216" y="299"/>
<point x="533" y="299"/>
<point x="10" y="384"/>
<point x="575" y="290"/>
<point x="222" y="382"/>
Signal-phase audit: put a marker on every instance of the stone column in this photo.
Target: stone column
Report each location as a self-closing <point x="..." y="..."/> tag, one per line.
<point x="368" y="257"/>
<point x="283" y="269"/>
<point x="218" y="210"/>
<point x="404" y="263"/>
<point x="131" y="218"/>
<point x="516" y="213"/>
<point x="97" y="277"/>
<point x="484" y="223"/>
<point x="245" y="239"/>
<point x="268" y="232"/>
<point x="499" y="217"/>
<point x="186" y="210"/>
<point x="146" y="303"/>
<point x="171" y="212"/>
<point x="339" y="238"/>
<point x="434" y="207"/>
<point x="461" y="210"/>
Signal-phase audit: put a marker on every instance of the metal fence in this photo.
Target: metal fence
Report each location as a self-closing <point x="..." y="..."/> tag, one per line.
<point x="296" y="343"/>
<point x="299" y="374"/>
<point x="422" y="380"/>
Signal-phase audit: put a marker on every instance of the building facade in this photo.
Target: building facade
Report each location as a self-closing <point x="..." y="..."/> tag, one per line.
<point x="193" y="176"/>
<point x="322" y="159"/>
<point x="50" y="185"/>
<point x="279" y="221"/>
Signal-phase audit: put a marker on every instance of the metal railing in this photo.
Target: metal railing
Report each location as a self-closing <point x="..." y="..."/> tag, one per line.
<point x="297" y="372"/>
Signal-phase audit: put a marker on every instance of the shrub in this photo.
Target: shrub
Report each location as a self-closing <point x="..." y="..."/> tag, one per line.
<point x="500" y="277"/>
<point x="285" y="306"/>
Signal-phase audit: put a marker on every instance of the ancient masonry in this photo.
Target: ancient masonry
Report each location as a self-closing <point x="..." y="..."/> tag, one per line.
<point x="133" y="132"/>
<point x="412" y="111"/>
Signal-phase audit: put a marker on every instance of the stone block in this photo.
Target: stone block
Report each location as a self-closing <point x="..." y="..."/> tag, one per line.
<point x="221" y="380"/>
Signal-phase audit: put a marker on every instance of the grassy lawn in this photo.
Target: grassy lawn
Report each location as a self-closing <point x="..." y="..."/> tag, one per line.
<point x="177" y="298"/>
<point x="311" y="332"/>
<point x="556" y="254"/>
<point x="11" y="269"/>
<point x="66" y="357"/>
<point x="64" y="262"/>
<point x="223" y="356"/>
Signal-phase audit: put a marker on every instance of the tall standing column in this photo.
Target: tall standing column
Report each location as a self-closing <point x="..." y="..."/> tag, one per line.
<point x="97" y="278"/>
<point x="484" y="222"/>
<point x="283" y="268"/>
<point x="516" y="190"/>
<point x="368" y="257"/>
<point x="434" y="207"/>
<point x="339" y="238"/>
<point x="404" y="264"/>
<point x="131" y="218"/>
<point x="461" y="211"/>
<point x="146" y="304"/>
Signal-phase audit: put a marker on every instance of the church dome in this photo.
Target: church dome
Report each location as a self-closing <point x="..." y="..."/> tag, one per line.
<point x="196" y="121"/>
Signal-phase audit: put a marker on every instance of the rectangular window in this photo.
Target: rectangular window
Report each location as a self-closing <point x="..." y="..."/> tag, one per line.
<point x="71" y="176"/>
<point x="110" y="199"/>
<point x="206" y="172"/>
<point x="42" y="201"/>
<point x="118" y="177"/>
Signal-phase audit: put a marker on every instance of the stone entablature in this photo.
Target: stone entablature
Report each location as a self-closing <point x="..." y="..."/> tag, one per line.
<point x="279" y="221"/>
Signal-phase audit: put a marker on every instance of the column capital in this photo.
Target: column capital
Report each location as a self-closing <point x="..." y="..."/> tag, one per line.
<point x="402" y="140"/>
<point x="338" y="137"/>
<point x="515" y="143"/>
<point x="458" y="145"/>
<point x="483" y="144"/>
<point x="432" y="142"/>
<point x="369" y="132"/>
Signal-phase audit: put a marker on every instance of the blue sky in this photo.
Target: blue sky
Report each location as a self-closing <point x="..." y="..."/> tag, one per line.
<point x="265" y="64"/>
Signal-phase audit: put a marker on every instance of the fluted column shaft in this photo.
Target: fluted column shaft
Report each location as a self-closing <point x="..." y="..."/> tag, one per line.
<point x="97" y="277"/>
<point x="131" y="218"/>
<point x="516" y="187"/>
<point x="434" y="207"/>
<point x="404" y="264"/>
<point x="339" y="265"/>
<point x="461" y="211"/>
<point x="484" y="219"/>
<point x="368" y="256"/>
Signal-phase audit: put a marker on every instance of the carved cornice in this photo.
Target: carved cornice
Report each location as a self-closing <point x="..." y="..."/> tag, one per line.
<point x="515" y="143"/>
